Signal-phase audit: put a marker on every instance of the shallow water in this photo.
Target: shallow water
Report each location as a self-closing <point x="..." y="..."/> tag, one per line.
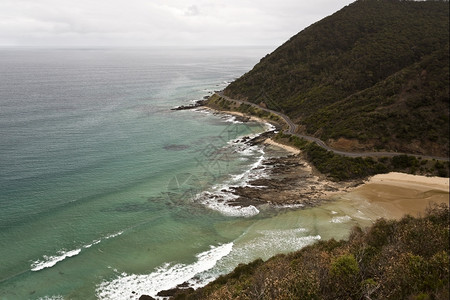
<point x="104" y="191"/>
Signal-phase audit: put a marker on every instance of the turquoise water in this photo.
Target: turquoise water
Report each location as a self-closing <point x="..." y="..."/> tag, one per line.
<point x="106" y="193"/>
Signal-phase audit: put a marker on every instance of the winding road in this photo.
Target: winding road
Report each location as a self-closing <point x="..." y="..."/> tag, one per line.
<point x="293" y="131"/>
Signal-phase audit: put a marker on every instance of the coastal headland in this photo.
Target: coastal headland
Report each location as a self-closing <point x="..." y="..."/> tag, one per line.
<point x="293" y="180"/>
<point x="360" y="101"/>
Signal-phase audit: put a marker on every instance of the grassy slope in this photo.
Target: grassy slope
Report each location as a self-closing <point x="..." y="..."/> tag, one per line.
<point x="376" y="71"/>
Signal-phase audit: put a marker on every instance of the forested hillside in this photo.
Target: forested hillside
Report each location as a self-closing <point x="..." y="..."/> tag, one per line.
<point x="374" y="75"/>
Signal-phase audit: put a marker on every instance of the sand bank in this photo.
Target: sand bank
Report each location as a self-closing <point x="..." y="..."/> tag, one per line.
<point x="398" y="194"/>
<point x="290" y="149"/>
<point x="389" y="195"/>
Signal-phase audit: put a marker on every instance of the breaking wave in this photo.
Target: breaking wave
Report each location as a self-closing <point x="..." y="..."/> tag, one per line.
<point x="132" y="286"/>
<point x="50" y="261"/>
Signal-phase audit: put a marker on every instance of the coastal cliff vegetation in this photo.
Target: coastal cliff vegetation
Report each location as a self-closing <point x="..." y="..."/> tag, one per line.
<point x="338" y="167"/>
<point x="372" y="76"/>
<point x="405" y="259"/>
<point x="221" y="104"/>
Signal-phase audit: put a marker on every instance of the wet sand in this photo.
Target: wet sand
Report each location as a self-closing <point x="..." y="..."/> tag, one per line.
<point x="290" y="149"/>
<point x="397" y="194"/>
<point x="391" y="195"/>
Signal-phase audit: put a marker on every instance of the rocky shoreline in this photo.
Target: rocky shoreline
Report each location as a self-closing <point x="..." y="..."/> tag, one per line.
<point x="197" y="104"/>
<point x="290" y="182"/>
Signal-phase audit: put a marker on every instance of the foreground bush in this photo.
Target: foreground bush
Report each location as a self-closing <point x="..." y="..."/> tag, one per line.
<point x="406" y="259"/>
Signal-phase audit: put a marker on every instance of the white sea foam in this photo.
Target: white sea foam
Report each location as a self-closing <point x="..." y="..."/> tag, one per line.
<point x="54" y="297"/>
<point x="360" y="215"/>
<point x="289" y="205"/>
<point x="233" y="211"/>
<point x="131" y="286"/>
<point x="50" y="261"/>
<point x="219" y="201"/>
<point x="340" y="219"/>
<point x="203" y="110"/>
<point x="103" y="239"/>
<point x="270" y="127"/>
<point x="219" y="196"/>
<point x="271" y="242"/>
<point x="113" y="235"/>
<point x="92" y="244"/>
<point x="250" y="173"/>
<point x="233" y="119"/>
<point x="263" y="244"/>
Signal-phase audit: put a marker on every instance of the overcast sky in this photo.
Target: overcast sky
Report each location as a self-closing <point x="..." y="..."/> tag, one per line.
<point x="157" y="22"/>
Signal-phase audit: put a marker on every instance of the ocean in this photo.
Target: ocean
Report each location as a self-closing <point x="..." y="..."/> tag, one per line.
<point x="107" y="193"/>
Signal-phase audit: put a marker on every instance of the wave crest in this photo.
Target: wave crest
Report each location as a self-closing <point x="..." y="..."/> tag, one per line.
<point x="131" y="286"/>
<point x="50" y="261"/>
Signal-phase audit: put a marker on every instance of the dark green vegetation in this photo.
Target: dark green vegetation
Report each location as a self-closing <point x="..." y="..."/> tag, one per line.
<point x="222" y="104"/>
<point x="376" y="71"/>
<point x="340" y="167"/>
<point x="334" y="166"/>
<point x="406" y="259"/>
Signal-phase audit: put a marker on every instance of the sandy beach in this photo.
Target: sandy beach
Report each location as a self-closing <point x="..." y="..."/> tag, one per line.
<point x="392" y="195"/>
<point x="395" y="194"/>
<point x="290" y="149"/>
<point x="398" y="194"/>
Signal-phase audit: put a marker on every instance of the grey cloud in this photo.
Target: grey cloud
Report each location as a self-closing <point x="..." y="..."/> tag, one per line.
<point x="158" y="22"/>
<point x="192" y="11"/>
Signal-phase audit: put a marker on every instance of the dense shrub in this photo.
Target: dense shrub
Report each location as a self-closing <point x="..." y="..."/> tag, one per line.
<point x="406" y="259"/>
<point x="376" y="71"/>
<point x="340" y="167"/>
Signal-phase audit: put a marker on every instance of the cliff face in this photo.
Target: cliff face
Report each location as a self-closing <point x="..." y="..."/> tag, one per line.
<point x="374" y="75"/>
